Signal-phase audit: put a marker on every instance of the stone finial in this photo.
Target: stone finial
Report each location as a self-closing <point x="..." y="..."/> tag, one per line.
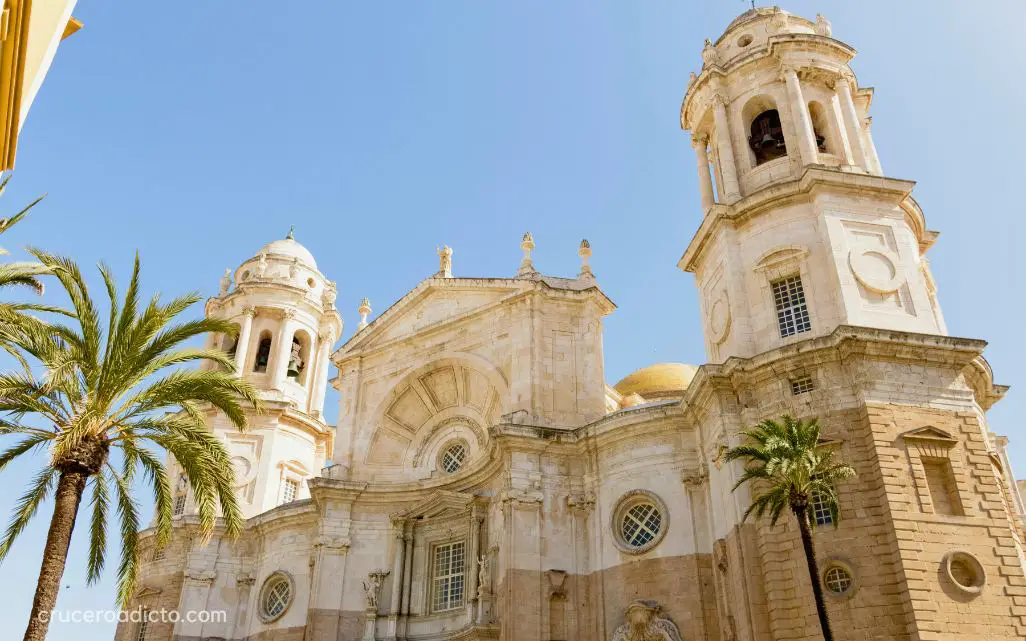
<point x="364" y="310"/>
<point x="709" y="54"/>
<point x="585" y="253"/>
<point x="526" y="266"/>
<point x="692" y="78"/>
<point x="444" y="262"/>
<point x="822" y="27"/>
<point x="226" y="282"/>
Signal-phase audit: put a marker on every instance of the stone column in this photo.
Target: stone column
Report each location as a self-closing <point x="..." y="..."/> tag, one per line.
<point x="852" y="127"/>
<point x="404" y="612"/>
<point x="475" y="546"/>
<point x="871" y="155"/>
<point x="728" y="167"/>
<point x="319" y="377"/>
<point x="282" y="348"/>
<point x="700" y="142"/>
<point x="837" y="124"/>
<point x="802" y="121"/>
<point x="395" y="606"/>
<point x="242" y="345"/>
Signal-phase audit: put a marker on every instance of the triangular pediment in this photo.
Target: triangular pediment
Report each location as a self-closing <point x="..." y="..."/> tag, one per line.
<point x="432" y="305"/>
<point x="441" y="504"/>
<point x="147" y="592"/>
<point x="929" y="433"/>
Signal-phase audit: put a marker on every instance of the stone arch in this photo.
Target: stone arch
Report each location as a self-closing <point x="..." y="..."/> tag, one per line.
<point x="305" y="341"/>
<point x="761" y="117"/>
<point x="430" y="400"/>
<point x="825" y="135"/>
<point x="262" y="354"/>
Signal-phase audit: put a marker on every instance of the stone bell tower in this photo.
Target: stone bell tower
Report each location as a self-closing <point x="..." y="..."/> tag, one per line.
<point x="285" y="310"/>
<point x="802" y="231"/>
<point x="817" y="301"/>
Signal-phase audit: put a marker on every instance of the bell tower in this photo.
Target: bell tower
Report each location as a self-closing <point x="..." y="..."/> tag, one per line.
<point x="817" y="301"/>
<point x="285" y="310"/>
<point x="801" y="229"/>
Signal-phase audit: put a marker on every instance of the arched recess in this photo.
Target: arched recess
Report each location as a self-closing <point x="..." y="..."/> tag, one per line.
<point x="454" y="396"/>
<point x="764" y="130"/>
<point x="825" y="140"/>
<point x="262" y="357"/>
<point x="302" y="346"/>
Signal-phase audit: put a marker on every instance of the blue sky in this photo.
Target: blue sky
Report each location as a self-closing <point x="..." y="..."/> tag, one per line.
<point x="382" y="129"/>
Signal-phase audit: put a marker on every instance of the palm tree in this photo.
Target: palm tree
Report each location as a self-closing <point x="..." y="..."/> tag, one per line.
<point x="116" y="388"/>
<point x="789" y="466"/>
<point x="18" y="274"/>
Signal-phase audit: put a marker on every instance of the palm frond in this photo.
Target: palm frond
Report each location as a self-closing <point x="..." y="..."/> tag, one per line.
<point x="26" y="508"/>
<point x="98" y="528"/>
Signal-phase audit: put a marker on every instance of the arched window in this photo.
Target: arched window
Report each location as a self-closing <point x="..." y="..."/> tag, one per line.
<point x="299" y="357"/>
<point x="263" y="353"/>
<point x="819" y="128"/>
<point x="767" y="137"/>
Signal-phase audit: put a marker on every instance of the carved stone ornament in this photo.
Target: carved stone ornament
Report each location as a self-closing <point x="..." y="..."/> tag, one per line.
<point x="205" y="577"/>
<point x="372" y="586"/>
<point x="584" y="501"/>
<point x="521" y="497"/>
<point x="877" y="268"/>
<point x="643" y="622"/>
<point x="719" y="318"/>
<point x="332" y="542"/>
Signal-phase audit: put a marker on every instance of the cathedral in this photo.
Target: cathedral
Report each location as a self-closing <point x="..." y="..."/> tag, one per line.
<point x="485" y="481"/>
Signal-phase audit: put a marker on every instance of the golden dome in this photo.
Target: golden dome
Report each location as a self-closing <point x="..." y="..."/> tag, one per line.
<point x="662" y="380"/>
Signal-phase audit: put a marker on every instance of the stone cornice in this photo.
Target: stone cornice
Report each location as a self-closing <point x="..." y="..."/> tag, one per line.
<point x="478" y="474"/>
<point x="846" y="342"/>
<point x="517" y="287"/>
<point x="713" y="77"/>
<point x="814" y="178"/>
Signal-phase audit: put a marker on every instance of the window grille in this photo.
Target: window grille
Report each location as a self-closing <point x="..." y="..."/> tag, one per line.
<point x="448" y="576"/>
<point x="289" y="491"/>
<point x="792" y="312"/>
<point x="802" y="385"/>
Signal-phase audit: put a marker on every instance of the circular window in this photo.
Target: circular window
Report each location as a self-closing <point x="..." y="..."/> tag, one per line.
<point x="639" y="521"/>
<point x="453" y="457"/>
<point x="965" y="571"/>
<point x="310" y="283"/>
<point x="245" y="275"/>
<point x="744" y="40"/>
<point x="838" y="579"/>
<point x="276" y="596"/>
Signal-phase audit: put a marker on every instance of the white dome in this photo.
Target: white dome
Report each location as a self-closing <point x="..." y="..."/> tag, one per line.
<point x="289" y="248"/>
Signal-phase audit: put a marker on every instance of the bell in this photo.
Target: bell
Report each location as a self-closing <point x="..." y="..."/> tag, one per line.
<point x="767" y="141"/>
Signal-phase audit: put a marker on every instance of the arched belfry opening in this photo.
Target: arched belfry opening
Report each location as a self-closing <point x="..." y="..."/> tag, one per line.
<point x="299" y="357"/>
<point x="766" y="137"/>
<point x="263" y="353"/>
<point x="819" y="128"/>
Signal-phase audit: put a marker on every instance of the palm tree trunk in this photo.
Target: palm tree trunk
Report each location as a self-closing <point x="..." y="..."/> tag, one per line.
<point x="70" y="486"/>
<point x="817" y="587"/>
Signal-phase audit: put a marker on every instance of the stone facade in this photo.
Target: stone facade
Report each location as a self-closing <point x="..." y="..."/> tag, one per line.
<point x="484" y="481"/>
